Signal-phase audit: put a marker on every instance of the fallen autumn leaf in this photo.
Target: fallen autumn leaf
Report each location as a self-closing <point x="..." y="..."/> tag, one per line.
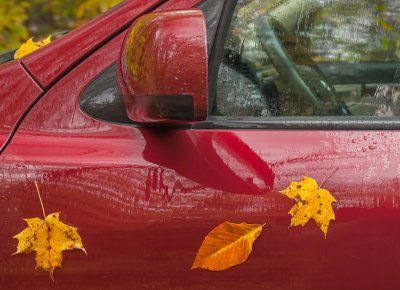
<point x="30" y="46"/>
<point x="48" y="238"/>
<point x="227" y="245"/>
<point x="311" y="202"/>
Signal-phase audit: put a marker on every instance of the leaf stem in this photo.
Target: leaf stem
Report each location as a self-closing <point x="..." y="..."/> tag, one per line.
<point x="326" y="175"/>
<point x="37" y="189"/>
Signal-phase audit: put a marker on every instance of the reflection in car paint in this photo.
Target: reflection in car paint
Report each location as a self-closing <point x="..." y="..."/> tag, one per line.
<point x="160" y="183"/>
<point x="209" y="159"/>
<point x="388" y="98"/>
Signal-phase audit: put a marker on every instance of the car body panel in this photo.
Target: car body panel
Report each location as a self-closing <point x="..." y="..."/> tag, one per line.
<point x="19" y="91"/>
<point x="143" y="199"/>
<point x="177" y="5"/>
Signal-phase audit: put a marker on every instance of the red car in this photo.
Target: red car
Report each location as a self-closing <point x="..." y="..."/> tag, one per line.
<point x="161" y="119"/>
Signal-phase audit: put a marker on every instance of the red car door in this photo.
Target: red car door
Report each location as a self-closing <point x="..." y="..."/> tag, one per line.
<point x="143" y="198"/>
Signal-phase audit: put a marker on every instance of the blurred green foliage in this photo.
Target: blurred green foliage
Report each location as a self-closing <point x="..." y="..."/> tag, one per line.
<point x="357" y="30"/>
<point x="20" y="20"/>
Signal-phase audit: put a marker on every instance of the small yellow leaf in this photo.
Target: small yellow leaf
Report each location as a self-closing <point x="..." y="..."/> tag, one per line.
<point x="385" y="24"/>
<point x="227" y="245"/>
<point x="311" y="202"/>
<point x="48" y="238"/>
<point x="30" y="46"/>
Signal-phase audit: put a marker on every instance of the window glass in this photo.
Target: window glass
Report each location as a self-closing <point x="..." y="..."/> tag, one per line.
<point x="311" y="58"/>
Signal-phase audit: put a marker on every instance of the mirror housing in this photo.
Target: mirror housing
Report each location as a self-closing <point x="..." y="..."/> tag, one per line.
<point x="163" y="68"/>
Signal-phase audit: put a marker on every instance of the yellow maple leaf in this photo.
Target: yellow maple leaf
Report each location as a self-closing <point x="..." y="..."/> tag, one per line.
<point x="48" y="238"/>
<point x="30" y="46"/>
<point x="227" y="245"/>
<point x="311" y="202"/>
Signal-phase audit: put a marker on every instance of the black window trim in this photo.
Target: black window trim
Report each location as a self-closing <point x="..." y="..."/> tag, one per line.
<point x="277" y="123"/>
<point x="218" y="50"/>
<point x="302" y="123"/>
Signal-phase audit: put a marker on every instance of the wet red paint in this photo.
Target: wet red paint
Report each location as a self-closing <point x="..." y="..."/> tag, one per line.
<point x="178" y="4"/>
<point x="143" y="199"/>
<point x="162" y="55"/>
<point x="18" y="91"/>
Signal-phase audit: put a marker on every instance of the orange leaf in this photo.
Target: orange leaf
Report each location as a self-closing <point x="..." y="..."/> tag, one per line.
<point x="227" y="245"/>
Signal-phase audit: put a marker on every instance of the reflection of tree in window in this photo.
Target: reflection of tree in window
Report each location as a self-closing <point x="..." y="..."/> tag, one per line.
<point x="354" y="30"/>
<point x="346" y="52"/>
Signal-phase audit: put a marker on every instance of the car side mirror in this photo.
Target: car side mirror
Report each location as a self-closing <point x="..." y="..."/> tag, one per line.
<point x="163" y="68"/>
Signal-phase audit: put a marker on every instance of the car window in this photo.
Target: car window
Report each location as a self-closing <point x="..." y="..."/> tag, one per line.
<point x="311" y="58"/>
